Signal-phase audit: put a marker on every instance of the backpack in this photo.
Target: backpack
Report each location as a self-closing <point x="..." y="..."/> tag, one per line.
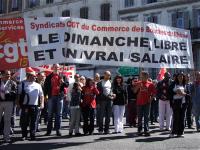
<point x="22" y="96"/>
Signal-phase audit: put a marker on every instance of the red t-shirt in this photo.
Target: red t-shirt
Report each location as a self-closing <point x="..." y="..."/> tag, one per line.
<point x="146" y="90"/>
<point x="89" y="95"/>
<point x="55" y="84"/>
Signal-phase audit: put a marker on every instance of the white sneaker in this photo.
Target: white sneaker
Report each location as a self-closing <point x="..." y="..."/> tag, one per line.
<point x="182" y="135"/>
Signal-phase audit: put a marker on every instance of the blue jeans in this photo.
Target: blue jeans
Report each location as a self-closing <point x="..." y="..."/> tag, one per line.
<point x="55" y="105"/>
<point x="143" y="111"/>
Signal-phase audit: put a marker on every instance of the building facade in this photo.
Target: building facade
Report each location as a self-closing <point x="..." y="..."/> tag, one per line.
<point x="176" y="13"/>
<point x="89" y="9"/>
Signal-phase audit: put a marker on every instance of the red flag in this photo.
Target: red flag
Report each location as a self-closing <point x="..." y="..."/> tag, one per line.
<point x="29" y="69"/>
<point x="161" y="74"/>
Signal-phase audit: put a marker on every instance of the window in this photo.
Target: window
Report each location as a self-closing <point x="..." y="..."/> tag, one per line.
<point x="179" y="23"/>
<point x="33" y="3"/>
<point x="66" y="13"/>
<point x="105" y="12"/>
<point x="195" y="31"/>
<point x="151" y="1"/>
<point x="151" y="18"/>
<point x="130" y="18"/>
<point x="49" y="15"/>
<point x="129" y="3"/>
<point x="148" y="1"/>
<point x="49" y="1"/>
<point x="198" y="19"/>
<point x="84" y="12"/>
<point x="15" y="5"/>
<point x="154" y="19"/>
<point x="1" y="6"/>
<point x="180" y="19"/>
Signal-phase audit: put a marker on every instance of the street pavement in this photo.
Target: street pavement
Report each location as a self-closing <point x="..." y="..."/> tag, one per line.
<point x="123" y="141"/>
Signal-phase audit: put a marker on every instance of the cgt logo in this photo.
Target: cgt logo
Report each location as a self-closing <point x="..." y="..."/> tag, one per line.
<point x="12" y="52"/>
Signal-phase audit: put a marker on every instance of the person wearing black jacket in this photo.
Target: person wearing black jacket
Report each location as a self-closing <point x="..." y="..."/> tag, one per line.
<point x="75" y="111"/>
<point x="165" y="110"/>
<point x="54" y="89"/>
<point x="178" y="95"/>
<point x="132" y="106"/>
<point x="119" y="102"/>
<point x="8" y="89"/>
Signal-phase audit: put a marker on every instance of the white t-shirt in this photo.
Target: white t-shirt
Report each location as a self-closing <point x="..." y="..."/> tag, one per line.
<point x="106" y="87"/>
<point x="177" y="96"/>
<point x="33" y="89"/>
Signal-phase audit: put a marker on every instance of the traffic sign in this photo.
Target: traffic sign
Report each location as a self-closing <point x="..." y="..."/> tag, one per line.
<point x="128" y="71"/>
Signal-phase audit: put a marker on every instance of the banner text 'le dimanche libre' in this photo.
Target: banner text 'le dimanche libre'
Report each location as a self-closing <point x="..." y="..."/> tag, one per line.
<point x="136" y="44"/>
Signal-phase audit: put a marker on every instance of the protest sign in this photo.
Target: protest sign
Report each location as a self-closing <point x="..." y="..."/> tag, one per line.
<point x="114" y="43"/>
<point x="13" y="48"/>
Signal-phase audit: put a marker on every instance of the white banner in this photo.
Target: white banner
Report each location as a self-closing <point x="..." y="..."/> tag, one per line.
<point x="115" y="43"/>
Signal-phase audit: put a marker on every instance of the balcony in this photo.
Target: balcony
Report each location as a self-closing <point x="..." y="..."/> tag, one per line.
<point x="195" y="33"/>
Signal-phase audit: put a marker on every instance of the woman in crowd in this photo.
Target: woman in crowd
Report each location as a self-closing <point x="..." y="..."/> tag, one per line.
<point x="132" y="106"/>
<point x="178" y="104"/>
<point x="75" y="112"/>
<point x="88" y="105"/>
<point x="119" y="102"/>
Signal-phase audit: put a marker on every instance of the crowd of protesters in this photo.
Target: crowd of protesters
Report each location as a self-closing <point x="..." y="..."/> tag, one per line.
<point x="174" y="101"/>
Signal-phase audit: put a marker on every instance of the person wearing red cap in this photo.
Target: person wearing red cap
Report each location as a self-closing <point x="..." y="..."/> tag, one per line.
<point x="30" y="95"/>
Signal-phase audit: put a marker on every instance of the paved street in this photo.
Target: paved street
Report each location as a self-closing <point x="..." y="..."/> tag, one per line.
<point x="127" y="140"/>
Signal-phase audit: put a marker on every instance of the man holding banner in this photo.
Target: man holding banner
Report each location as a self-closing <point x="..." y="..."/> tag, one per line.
<point x="55" y="94"/>
<point x="146" y="90"/>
